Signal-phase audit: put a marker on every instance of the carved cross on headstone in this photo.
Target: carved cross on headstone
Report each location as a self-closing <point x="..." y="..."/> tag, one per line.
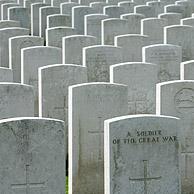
<point x="28" y="185"/>
<point x="145" y="178"/>
<point x="186" y="155"/>
<point x="100" y="133"/>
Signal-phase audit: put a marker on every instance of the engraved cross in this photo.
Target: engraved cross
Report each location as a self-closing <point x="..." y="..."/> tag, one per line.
<point x="145" y="178"/>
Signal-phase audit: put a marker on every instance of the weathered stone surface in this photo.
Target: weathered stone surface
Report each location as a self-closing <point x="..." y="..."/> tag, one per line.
<point x="15" y="45"/>
<point x="143" y="155"/>
<point x="6" y="74"/>
<point x="89" y="105"/>
<point x="172" y="18"/>
<point x="35" y="163"/>
<point x="4" y="9"/>
<point x="147" y="11"/>
<point x="57" y="20"/>
<point x="113" y="11"/>
<point x="73" y="46"/>
<point x="9" y="24"/>
<point x="141" y="79"/>
<point x="187" y="70"/>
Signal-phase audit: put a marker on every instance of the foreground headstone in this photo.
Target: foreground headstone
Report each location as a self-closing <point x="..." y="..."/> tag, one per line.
<point x="167" y="57"/>
<point x="141" y="79"/>
<point x="35" y="163"/>
<point x="73" y="46"/>
<point x="89" y="105"/>
<point x="5" y="34"/>
<point x="187" y="70"/>
<point x="97" y="59"/>
<point x="15" y="46"/>
<point x="34" y="57"/>
<point x="17" y="100"/>
<point x="54" y="35"/>
<point x="175" y="98"/>
<point x="54" y="81"/>
<point x="142" y="155"/>
<point x="131" y="46"/>
<point x="181" y="35"/>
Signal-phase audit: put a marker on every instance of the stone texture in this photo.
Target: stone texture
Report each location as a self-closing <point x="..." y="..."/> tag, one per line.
<point x="57" y="20"/>
<point x="9" y="24"/>
<point x="90" y="104"/>
<point x="172" y="18"/>
<point x="187" y="70"/>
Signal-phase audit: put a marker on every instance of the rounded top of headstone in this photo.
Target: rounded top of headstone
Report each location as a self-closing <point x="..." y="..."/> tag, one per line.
<point x="154" y="18"/>
<point x="60" y="65"/>
<point x="187" y="62"/>
<point x="41" y="48"/>
<point x="101" y="46"/>
<point x="131" y="35"/>
<point x="161" y="45"/>
<point x="175" y="82"/>
<point x="14" y="84"/>
<point x="132" y="63"/>
<point x="60" y="15"/>
<point x="132" y="14"/>
<point x="178" y="26"/>
<point x="78" y="36"/>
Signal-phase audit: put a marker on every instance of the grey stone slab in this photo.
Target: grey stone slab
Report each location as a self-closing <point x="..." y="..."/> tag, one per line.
<point x="34" y="57"/>
<point x="134" y="21"/>
<point x="4" y="9"/>
<point x="5" y="34"/>
<point x="141" y="79"/>
<point x="6" y="74"/>
<point x="57" y="20"/>
<point x="143" y="155"/>
<point x="20" y="14"/>
<point x="175" y="9"/>
<point x="72" y="47"/>
<point x="35" y="18"/>
<point x="54" y="81"/>
<point x="78" y="13"/>
<point x="175" y="98"/>
<point x="54" y="35"/>
<point x="6" y="1"/>
<point x="187" y="21"/>
<point x="9" y="24"/>
<point x="114" y="11"/>
<point x="131" y="46"/>
<point x="35" y="163"/>
<point x="57" y="3"/>
<point x="172" y="18"/>
<point x="188" y="7"/>
<point x="28" y="3"/>
<point x="158" y="6"/>
<point x="98" y="59"/>
<point x="17" y="100"/>
<point x="66" y="8"/>
<point x="128" y="6"/>
<point x="98" y="6"/>
<point x="147" y="11"/>
<point x="112" y="27"/>
<point x="90" y="104"/>
<point x="92" y="25"/>
<point x="43" y="13"/>
<point x="15" y="45"/>
<point x="167" y="57"/>
<point x="181" y="35"/>
<point x="154" y="29"/>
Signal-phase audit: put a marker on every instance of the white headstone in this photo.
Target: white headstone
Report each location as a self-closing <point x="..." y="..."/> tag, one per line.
<point x="131" y="46"/>
<point x="113" y="27"/>
<point x="157" y="5"/>
<point x="167" y="57"/>
<point x="57" y="20"/>
<point x="98" y="59"/>
<point x="141" y="79"/>
<point x="147" y="11"/>
<point x="5" y="34"/>
<point x="43" y="13"/>
<point x="98" y="6"/>
<point x="172" y="18"/>
<point x="142" y="155"/>
<point x="4" y="9"/>
<point x="6" y="1"/>
<point x="15" y="45"/>
<point x="187" y="21"/>
<point x="127" y="5"/>
<point x="34" y="57"/>
<point x="54" y="81"/>
<point x="66" y="8"/>
<point x="35" y="163"/>
<point x="181" y="35"/>
<point x="188" y="7"/>
<point x="187" y="70"/>
<point x="78" y="13"/>
<point x="92" y="26"/>
<point x="73" y="46"/>
<point x="20" y="14"/>
<point x="154" y="28"/>
<point x="17" y="100"/>
<point x="35" y="18"/>
<point x="175" y="98"/>
<point x="114" y="11"/>
<point x="89" y="105"/>
<point x="134" y="21"/>
<point x="54" y="35"/>
<point x="175" y="9"/>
